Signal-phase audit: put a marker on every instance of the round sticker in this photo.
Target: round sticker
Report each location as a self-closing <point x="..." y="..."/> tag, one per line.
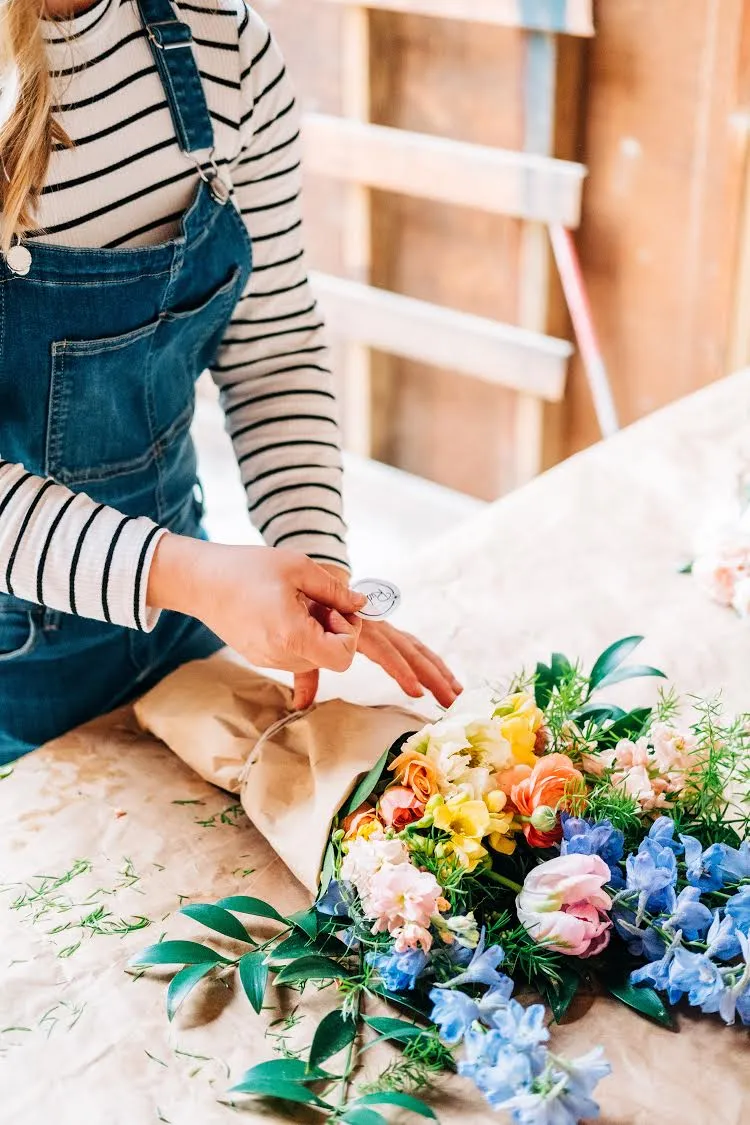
<point x="382" y="598"/>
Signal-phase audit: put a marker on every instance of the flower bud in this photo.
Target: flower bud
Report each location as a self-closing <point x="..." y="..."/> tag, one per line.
<point x="543" y="818"/>
<point x="434" y="803"/>
<point x="496" y="800"/>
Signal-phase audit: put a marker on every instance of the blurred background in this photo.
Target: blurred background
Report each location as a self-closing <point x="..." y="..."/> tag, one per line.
<point x="529" y="222"/>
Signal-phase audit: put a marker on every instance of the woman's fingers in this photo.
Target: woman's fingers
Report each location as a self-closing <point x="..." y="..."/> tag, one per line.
<point x="376" y="645"/>
<point x="428" y="668"/>
<point x="305" y="689"/>
<point x="319" y="585"/>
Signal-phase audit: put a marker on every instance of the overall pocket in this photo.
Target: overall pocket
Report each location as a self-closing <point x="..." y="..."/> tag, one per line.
<point x="114" y="402"/>
<point x="18" y="632"/>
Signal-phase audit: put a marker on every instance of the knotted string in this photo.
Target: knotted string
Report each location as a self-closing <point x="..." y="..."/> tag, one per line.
<point x="268" y="734"/>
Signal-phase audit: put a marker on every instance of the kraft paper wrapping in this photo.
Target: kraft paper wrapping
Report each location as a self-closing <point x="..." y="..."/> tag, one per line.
<point x="582" y="556"/>
<point x="217" y="715"/>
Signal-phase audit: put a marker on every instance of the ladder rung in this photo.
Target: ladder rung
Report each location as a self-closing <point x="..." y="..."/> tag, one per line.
<point x="523" y="185"/>
<point x="471" y="345"/>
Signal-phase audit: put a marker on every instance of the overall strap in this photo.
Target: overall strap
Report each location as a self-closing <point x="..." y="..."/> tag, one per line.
<point x="170" y="42"/>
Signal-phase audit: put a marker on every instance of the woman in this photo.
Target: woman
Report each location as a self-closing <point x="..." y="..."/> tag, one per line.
<point x="150" y="228"/>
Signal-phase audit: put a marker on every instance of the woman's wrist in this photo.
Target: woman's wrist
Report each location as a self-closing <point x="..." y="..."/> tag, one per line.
<point x="173" y="573"/>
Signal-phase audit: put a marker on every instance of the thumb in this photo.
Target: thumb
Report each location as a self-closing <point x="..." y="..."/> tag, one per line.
<point x="317" y="584"/>
<point x="305" y="689"/>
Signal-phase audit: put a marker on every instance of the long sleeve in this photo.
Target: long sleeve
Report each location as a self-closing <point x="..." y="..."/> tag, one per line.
<point x="62" y="550"/>
<point x="273" y="373"/>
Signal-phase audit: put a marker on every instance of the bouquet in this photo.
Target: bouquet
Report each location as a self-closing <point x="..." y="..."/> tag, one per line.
<point x="527" y="845"/>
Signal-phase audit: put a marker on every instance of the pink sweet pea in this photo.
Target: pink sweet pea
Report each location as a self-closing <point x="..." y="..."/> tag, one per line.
<point x="563" y="905"/>
<point x="399" y="806"/>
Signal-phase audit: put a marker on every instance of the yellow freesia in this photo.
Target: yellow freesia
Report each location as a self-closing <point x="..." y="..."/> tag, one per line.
<point x="467" y="850"/>
<point x="520" y="722"/>
<point x="463" y="817"/>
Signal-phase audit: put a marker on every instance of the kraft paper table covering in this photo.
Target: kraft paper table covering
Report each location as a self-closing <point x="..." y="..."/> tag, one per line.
<point x="578" y="558"/>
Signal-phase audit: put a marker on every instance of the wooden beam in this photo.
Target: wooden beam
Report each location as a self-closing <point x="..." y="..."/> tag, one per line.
<point x="470" y="345"/>
<point x="573" y="17"/>
<point x="518" y="184"/>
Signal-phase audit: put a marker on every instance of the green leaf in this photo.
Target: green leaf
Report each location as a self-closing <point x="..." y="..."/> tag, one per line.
<point x="544" y="684"/>
<point x="363" y="1116"/>
<point x="630" y="672"/>
<point x="599" y="713"/>
<point x="560" y="994"/>
<point x="299" y="945"/>
<point x="560" y="667"/>
<point x="254" y="977"/>
<point x="333" y="1034"/>
<point x="183" y="983"/>
<point x="218" y="919"/>
<point x="313" y="967"/>
<point x="242" y="904"/>
<point x="630" y="725"/>
<point x="643" y="1000"/>
<point x="405" y="1101"/>
<point x="307" y="921"/>
<point x="178" y="953"/>
<point x="366" y="785"/>
<point x="612" y="658"/>
<point x="286" y="1070"/>
<point x="686" y="568"/>
<point x="329" y="867"/>
<point x="415" y="1003"/>
<point x="280" y="1090"/>
<point x="389" y="1028"/>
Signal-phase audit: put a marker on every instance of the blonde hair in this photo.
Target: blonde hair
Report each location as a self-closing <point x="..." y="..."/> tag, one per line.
<point x="27" y="128"/>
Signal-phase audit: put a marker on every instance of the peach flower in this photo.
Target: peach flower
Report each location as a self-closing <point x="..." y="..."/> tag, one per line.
<point x="399" y="806"/>
<point x="549" y="785"/>
<point x="364" y="821"/>
<point x="417" y="772"/>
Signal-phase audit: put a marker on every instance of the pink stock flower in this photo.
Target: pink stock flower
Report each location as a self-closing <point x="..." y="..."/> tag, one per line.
<point x="412" y="936"/>
<point x="400" y="806"/>
<point x="563" y="905"/>
<point x="401" y="896"/>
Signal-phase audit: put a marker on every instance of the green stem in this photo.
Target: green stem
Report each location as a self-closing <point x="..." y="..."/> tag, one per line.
<point x="350" y="1061"/>
<point x="502" y="881"/>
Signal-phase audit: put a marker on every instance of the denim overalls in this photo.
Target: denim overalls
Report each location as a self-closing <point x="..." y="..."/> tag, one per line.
<point x="99" y="354"/>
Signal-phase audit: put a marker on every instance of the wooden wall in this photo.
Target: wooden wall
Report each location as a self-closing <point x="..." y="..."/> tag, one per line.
<point x="661" y="128"/>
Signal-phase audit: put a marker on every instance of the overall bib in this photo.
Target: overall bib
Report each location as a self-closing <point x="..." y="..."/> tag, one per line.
<point x="99" y="354"/>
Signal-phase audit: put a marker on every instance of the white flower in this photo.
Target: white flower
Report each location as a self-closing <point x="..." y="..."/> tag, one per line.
<point x="459" y="744"/>
<point x="365" y="857"/>
<point x="741" y="599"/>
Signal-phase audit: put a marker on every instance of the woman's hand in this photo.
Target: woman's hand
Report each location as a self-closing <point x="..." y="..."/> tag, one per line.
<point x="258" y="600"/>
<point x="406" y="660"/>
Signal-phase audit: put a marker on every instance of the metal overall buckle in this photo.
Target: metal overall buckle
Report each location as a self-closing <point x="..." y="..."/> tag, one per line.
<point x="169" y="35"/>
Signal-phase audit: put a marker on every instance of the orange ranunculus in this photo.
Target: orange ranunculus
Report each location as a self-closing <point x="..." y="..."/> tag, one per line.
<point x="362" y="822"/>
<point x="549" y="785"/>
<point x="417" y="773"/>
<point x="507" y="779"/>
<point x="399" y="806"/>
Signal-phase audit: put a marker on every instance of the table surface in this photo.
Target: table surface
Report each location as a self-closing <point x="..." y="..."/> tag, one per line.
<point x="108" y="818"/>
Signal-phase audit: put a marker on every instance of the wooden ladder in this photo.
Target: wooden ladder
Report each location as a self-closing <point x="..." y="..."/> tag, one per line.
<point x="532" y="186"/>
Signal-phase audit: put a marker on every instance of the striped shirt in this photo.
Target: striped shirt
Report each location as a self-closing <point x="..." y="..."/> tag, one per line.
<point x="126" y="183"/>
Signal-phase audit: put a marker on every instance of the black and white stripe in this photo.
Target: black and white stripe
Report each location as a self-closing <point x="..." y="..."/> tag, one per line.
<point x="125" y="183"/>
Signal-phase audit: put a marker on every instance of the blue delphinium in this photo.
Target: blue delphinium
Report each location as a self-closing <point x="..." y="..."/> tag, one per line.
<point x="721" y="940"/>
<point x="662" y="833"/>
<point x="483" y="966"/>
<point x="507" y="1059"/>
<point x="399" y="972"/>
<point x="656" y="973"/>
<point x="703" y="868"/>
<point x="586" y="837"/>
<point x="689" y="915"/>
<point x="336" y="899"/>
<point x="699" y="977"/>
<point x="642" y="940"/>
<point x="738" y="909"/>
<point x="735" y="862"/>
<point x="652" y="873"/>
<point x="561" y="1095"/>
